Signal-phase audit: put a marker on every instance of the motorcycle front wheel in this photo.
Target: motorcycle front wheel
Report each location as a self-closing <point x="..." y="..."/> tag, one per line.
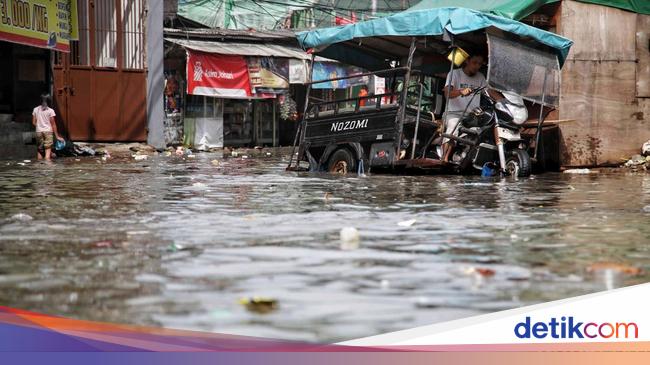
<point x="518" y="163"/>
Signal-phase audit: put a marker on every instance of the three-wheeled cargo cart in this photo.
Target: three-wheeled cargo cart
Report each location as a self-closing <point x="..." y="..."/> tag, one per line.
<point x="403" y="128"/>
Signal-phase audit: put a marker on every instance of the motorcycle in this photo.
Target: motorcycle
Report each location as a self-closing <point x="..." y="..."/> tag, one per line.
<point x="490" y="136"/>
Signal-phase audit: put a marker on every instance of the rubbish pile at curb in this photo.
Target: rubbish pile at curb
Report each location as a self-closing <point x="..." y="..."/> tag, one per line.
<point x="641" y="161"/>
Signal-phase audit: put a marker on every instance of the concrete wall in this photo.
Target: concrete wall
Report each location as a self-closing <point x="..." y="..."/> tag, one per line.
<point x="17" y="141"/>
<point x="155" y="75"/>
<point x="603" y="85"/>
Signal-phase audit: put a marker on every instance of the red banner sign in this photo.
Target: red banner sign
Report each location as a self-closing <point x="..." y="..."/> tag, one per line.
<point x="341" y="20"/>
<point x="217" y="75"/>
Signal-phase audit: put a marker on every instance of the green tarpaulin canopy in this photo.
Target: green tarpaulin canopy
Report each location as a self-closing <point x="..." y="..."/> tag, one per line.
<point x="519" y="9"/>
<point x="428" y="22"/>
<point x="272" y="14"/>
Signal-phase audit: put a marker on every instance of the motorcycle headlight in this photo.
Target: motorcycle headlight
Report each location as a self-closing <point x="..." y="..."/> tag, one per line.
<point x="520" y="116"/>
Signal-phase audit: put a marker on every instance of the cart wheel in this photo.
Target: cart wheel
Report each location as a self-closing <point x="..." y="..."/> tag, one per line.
<point x="341" y="162"/>
<point x="518" y="163"/>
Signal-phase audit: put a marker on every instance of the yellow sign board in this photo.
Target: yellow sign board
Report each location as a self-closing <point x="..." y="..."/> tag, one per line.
<point x="40" y="23"/>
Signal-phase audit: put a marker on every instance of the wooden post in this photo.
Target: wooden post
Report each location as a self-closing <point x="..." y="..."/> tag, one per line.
<point x="401" y="113"/>
<point x="417" y="120"/>
<point x="538" y="136"/>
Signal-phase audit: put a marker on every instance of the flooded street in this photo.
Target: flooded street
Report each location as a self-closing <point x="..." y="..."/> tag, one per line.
<point x="177" y="243"/>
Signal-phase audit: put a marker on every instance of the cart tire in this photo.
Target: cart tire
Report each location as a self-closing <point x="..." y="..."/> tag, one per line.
<point x="341" y="162"/>
<point x="519" y="163"/>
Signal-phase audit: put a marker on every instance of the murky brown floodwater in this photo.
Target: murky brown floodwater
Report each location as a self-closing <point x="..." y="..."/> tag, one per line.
<point x="103" y="244"/>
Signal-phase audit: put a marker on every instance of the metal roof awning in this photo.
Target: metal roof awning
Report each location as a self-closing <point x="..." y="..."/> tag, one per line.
<point x="241" y="49"/>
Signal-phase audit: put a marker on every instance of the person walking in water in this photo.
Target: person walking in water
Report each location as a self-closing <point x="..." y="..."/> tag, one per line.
<point x="43" y="120"/>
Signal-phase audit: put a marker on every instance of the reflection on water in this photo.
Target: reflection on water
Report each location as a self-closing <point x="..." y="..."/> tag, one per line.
<point x="177" y="243"/>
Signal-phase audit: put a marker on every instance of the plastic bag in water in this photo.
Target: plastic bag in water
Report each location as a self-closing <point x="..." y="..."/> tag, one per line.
<point x="489" y="170"/>
<point x="59" y="145"/>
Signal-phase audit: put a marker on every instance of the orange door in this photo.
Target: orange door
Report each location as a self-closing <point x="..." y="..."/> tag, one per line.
<point x="100" y="86"/>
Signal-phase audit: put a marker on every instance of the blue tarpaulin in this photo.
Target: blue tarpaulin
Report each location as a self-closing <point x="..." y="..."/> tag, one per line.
<point x="426" y="22"/>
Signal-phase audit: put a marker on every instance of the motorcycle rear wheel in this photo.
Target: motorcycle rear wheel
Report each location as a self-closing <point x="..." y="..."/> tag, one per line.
<point x="518" y="163"/>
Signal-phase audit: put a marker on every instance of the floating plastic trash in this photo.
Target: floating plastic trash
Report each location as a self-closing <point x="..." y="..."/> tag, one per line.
<point x="577" y="171"/>
<point x="407" y="223"/>
<point x="489" y="170"/>
<point x="349" y="238"/>
<point x="260" y="305"/>
<point x="175" y="247"/>
<point x="21" y="217"/>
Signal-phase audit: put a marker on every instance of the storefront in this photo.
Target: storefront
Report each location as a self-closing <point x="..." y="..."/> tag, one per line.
<point x="226" y="93"/>
<point x="26" y="75"/>
<point x="229" y="88"/>
<point x="29" y="31"/>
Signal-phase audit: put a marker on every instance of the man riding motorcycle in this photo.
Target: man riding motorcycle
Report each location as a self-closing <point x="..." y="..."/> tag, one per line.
<point x="459" y="84"/>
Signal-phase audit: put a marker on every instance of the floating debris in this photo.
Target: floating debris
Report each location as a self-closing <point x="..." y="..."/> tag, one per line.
<point x="478" y="271"/>
<point x="350" y="238"/>
<point x="577" y="171"/>
<point x="141" y="147"/>
<point x="614" y="267"/>
<point x="140" y="157"/>
<point x="191" y="156"/>
<point x="103" y="244"/>
<point x="485" y="272"/>
<point x="407" y="223"/>
<point x="612" y="273"/>
<point x="21" y="217"/>
<point x="215" y="162"/>
<point x="133" y="233"/>
<point x="261" y="305"/>
<point x="174" y="247"/>
<point x="427" y="303"/>
<point x="637" y="161"/>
